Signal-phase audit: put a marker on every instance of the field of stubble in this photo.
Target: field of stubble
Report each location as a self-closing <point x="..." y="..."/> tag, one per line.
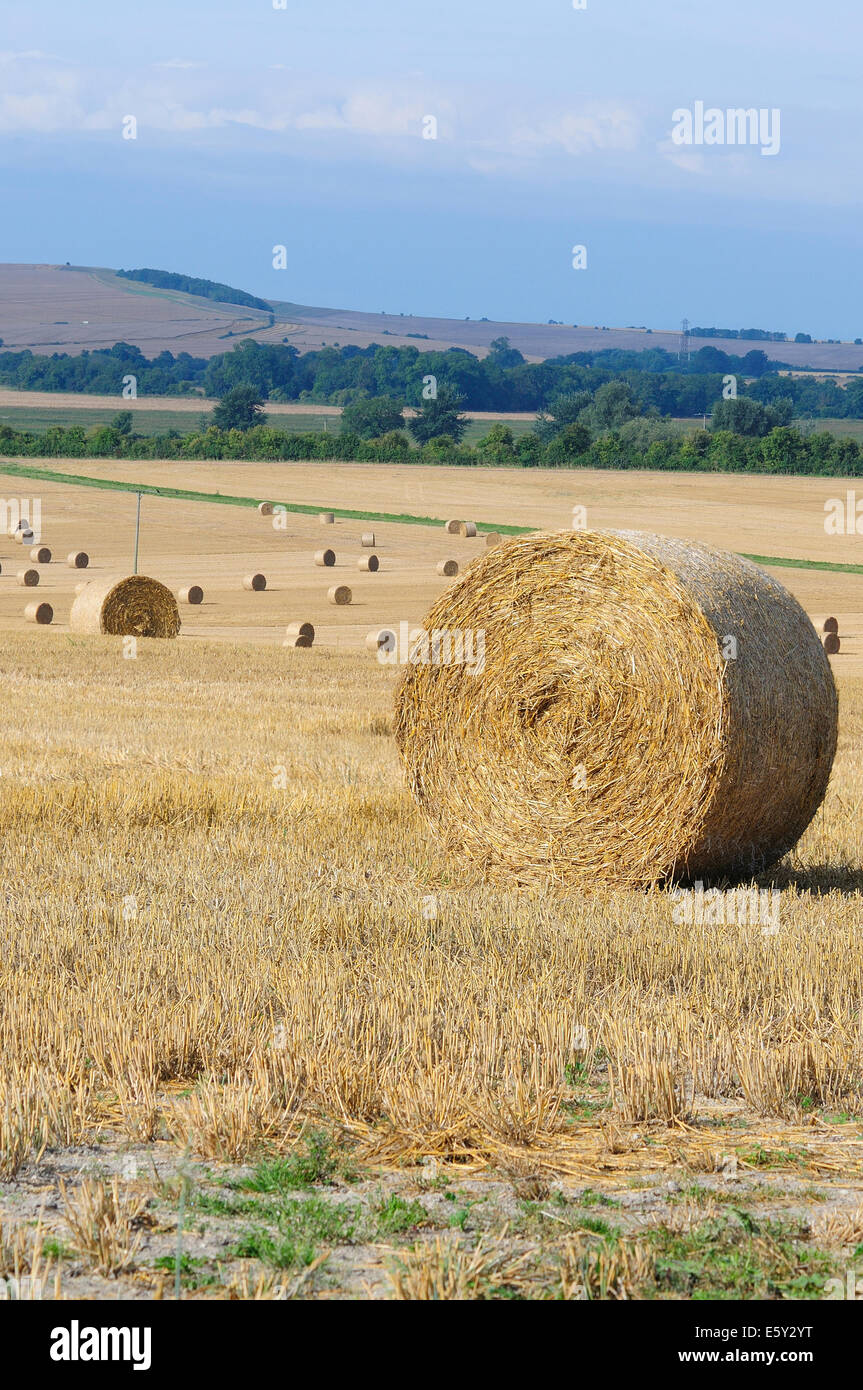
<point x="259" y="1039"/>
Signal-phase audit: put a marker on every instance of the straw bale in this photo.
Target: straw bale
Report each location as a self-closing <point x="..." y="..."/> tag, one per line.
<point x="381" y="638"/>
<point x="29" y="578"/>
<point x="646" y="709"/>
<point x="134" y="606"/>
<point x="830" y="625"/>
<point x="193" y="594"/>
<point x="41" y="613"/>
<point x="832" y="643"/>
<point x="41" y="555"/>
<point x="339" y="594"/>
<point x="77" y="559"/>
<point x="327" y="518"/>
<point x="368" y="539"/>
<point x="325" y="558"/>
<point x="369" y="563"/>
<point x="449" y="568"/>
<point x="256" y="583"/>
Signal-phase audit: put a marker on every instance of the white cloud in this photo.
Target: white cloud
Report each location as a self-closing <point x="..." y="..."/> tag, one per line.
<point x="580" y="133"/>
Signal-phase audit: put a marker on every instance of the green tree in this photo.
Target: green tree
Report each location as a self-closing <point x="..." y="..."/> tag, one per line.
<point x="440" y="416"/>
<point x="241" y="408"/>
<point x="122" y="421"/>
<point x="369" y="419"/>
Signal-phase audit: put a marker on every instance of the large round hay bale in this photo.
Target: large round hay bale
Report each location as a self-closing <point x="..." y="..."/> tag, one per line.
<point x="467" y="528"/>
<point x="40" y="555"/>
<point x="193" y="594"/>
<point x="452" y="527"/>
<point x="132" y="607"/>
<point x="29" y="578"/>
<point x="77" y="559"/>
<point x="301" y="630"/>
<point x="832" y="644"/>
<point x="265" y="508"/>
<point x="327" y="518"/>
<point x="368" y="539"/>
<point x="255" y="583"/>
<point x="448" y="568"/>
<point x="41" y="613"/>
<point x="339" y="594"/>
<point x="325" y="558"/>
<point x="381" y="639"/>
<point x="24" y="537"/>
<point x="830" y="625"/>
<point x="369" y="563"/>
<point x="637" y="709"/>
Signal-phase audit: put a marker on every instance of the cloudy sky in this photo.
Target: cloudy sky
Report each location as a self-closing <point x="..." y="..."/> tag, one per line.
<point x="304" y="126"/>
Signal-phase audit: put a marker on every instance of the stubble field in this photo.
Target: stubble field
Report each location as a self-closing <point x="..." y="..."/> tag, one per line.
<point x="259" y="1035"/>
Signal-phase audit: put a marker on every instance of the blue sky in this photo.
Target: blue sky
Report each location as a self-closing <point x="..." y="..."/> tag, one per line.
<point x="303" y="126"/>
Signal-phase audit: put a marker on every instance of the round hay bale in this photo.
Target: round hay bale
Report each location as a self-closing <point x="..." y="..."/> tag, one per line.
<point x="492" y="538"/>
<point x="298" y="641"/>
<point x="256" y="583"/>
<point x="29" y="578"/>
<point x="24" y="537"/>
<point x="370" y="563"/>
<point x="368" y="539"/>
<point x="467" y="528"/>
<point x="301" y="630"/>
<point x="832" y="644"/>
<point x="381" y="639"/>
<point x="448" y="568"/>
<point x="339" y="594"/>
<point x="77" y="559"/>
<point x="22" y="525"/>
<point x="830" y="625"/>
<point x="193" y="594"/>
<point x="452" y="527"/>
<point x="41" y="555"/>
<point x="132" y="607"/>
<point x="325" y="558"/>
<point x="41" y="613"/>
<point x="327" y="518"/>
<point x="611" y="731"/>
<point x="265" y="508"/>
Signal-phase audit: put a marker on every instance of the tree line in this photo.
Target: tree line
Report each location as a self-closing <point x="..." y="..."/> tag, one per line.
<point x="502" y="381"/>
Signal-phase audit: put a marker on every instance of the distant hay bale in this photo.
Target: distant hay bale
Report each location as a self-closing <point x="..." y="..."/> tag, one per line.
<point x="492" y="538"/>
<point x="452" y="527"/>
<point x="130" y="607"/>
<point x="368" y="539"/>
<point x="370" y="563"/>
<point x="325" y="558"/>
<point x="467" y="528"/>
<point x="299" y="635"/>
<point x="265" y="508"/>
<point x="639" y="710"/>
<point x="255" y="582"/>
<point x="40" y="555"/>
<point x="327" y="518"/>
<point x="832" y="643"/>
<point x="381" y="639"/>
<point x="448" y="568"/>
<point x="830" y="625"/>
<point x="24" y="537"/>
<point x="340" y="594"/>
<point x="41" y="613"/>
<point x="301" y="630"/>
<point x="29" y="578"/>
<point x="193" y="594"/>
<point x="20" y="526"/>
<point x="77" y="559"/>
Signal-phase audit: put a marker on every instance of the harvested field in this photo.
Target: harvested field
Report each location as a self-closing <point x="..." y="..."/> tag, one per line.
<point x="241" y="978"/>
<point x="375" y="1068"/>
